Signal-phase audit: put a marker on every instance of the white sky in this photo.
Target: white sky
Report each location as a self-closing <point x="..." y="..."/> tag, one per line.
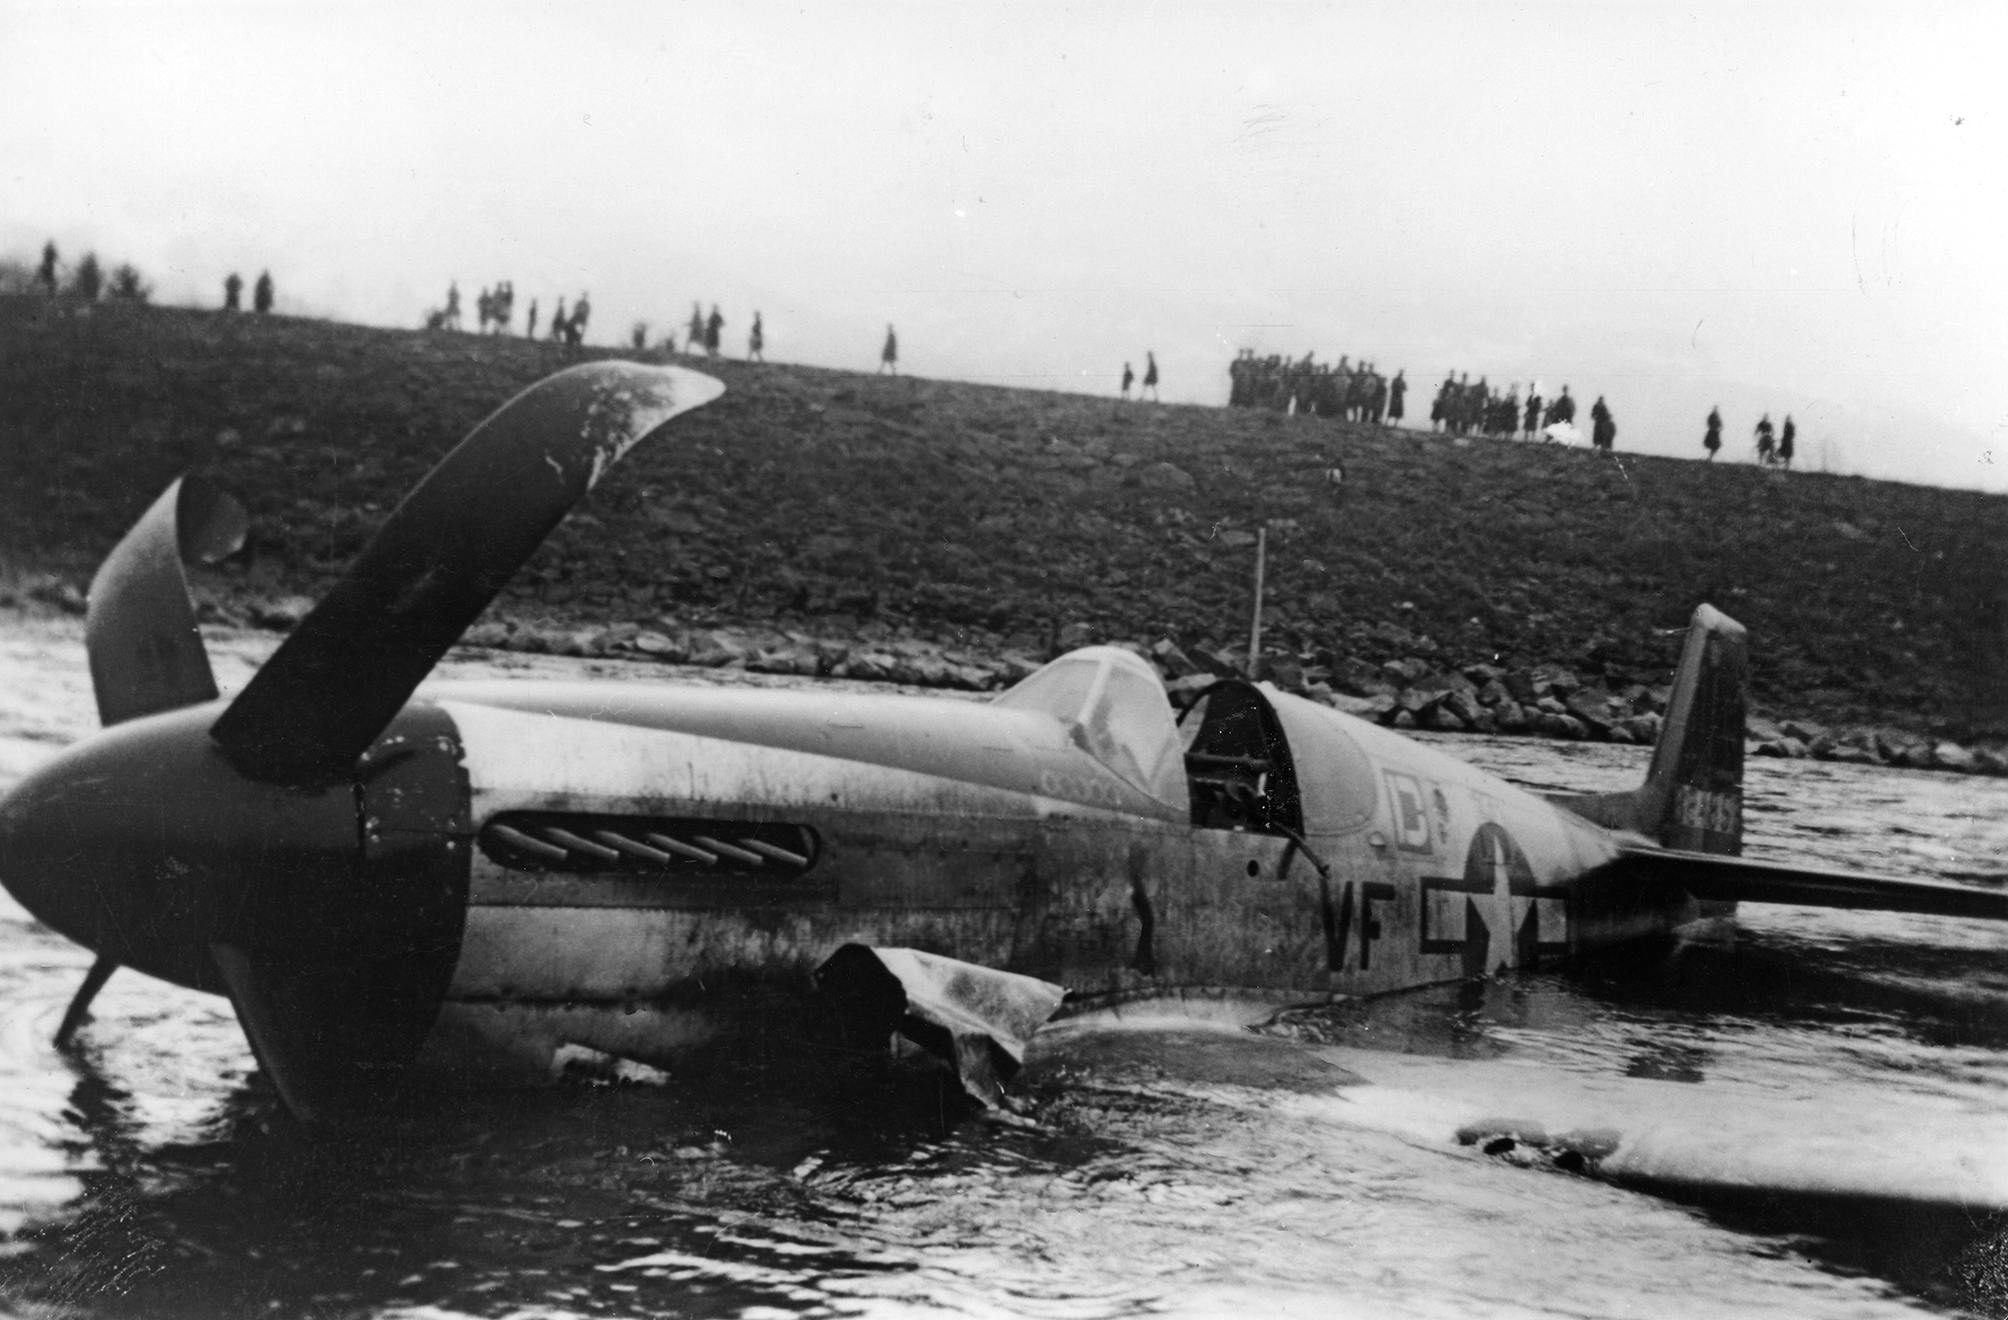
<point x="1797" y="208"/>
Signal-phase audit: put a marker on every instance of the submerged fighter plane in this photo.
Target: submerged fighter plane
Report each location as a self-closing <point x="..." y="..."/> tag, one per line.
<point x="473" y="878"/>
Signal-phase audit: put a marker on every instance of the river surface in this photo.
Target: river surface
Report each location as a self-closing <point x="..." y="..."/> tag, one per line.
<point x="1812" y="1111"/>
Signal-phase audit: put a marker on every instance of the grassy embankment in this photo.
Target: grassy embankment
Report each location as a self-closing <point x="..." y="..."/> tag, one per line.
<point x="857" y="508"/>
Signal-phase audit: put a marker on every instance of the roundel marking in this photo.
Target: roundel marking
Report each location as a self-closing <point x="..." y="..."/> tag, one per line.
<point x="1496" y="914"/>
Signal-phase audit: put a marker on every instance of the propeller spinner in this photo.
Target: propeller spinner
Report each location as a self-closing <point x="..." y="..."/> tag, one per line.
<point x="303" y="847"/>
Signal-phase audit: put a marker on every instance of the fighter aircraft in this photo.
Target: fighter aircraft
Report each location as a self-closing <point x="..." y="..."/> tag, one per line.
<point x="479" y="879"/>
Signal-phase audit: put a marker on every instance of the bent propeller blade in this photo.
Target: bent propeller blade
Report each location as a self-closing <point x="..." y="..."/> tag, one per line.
<point x="438" y="561"/>
<point x="280" y="1037"/>
<point x="145" y="651"/>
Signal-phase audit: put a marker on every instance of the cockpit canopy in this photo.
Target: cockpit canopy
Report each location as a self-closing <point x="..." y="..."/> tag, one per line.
<point x="1246" y="757"/>
<point x="1113" y="706"/>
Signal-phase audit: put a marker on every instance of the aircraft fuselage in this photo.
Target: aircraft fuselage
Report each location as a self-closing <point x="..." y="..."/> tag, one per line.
<point x="518" y="866"/>
<point x="953" y="827"/>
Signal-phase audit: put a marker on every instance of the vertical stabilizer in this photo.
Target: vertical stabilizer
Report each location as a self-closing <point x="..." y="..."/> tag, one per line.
<point x="1693" y="795"/>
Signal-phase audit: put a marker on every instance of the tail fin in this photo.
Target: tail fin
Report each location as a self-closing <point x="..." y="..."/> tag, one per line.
<point x="1693" y="795"/>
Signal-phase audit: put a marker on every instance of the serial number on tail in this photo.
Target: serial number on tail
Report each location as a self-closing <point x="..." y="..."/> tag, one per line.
<point x="1717" y="812"/>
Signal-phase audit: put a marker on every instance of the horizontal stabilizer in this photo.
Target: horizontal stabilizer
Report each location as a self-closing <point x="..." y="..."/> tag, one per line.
<point x="1711" y="876"/>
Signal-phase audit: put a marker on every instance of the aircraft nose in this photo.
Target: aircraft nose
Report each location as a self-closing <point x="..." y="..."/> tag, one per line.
<point x="140" y="843"/>
<point x="46" y="829"/>
<point x="330" y="914"/>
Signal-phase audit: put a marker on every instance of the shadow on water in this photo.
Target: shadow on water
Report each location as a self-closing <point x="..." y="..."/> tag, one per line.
<point x="1948" y="996"/>
<point x="1945" y="998"/>
<point x="1949" y="1255"/>
<point x="1691" y="1010"/>
<point x="623" y="1200"/>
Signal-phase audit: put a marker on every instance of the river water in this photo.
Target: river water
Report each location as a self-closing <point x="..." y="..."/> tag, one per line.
<point x="1810" y="1111"/>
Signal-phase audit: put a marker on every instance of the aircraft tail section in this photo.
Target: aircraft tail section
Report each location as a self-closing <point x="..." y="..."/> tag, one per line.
<point x="1692" y="799"/>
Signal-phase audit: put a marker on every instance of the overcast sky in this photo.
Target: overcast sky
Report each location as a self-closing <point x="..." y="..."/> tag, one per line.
<point x="1797" y="208"/>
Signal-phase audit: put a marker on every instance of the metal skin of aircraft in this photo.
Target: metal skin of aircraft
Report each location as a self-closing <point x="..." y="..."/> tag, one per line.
<point x="482" y="879"/>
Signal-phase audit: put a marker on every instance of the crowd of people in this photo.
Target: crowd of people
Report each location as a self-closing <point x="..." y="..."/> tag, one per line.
<point x="496" y="309"/>
<point x="1342" y="390"/>
<point x="1339" y="390"/>
<point x="1463" y="406"/>
<point x="1774" y="448"/>
<point x="1360" y="393"/>
<point x="1322" y="389"/>
<point x="703" y="333"/>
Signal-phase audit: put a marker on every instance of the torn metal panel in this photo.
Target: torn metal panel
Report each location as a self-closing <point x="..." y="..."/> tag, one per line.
<point x="977" y="1020"/>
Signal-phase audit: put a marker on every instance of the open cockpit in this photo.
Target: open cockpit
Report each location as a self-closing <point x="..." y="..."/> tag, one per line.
<point x="1239" y="772"/>
<point x="1226" y="761"/>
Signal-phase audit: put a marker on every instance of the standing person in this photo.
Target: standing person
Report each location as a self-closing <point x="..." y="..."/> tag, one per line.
<point x="1149" y="376"/>
<point x="1129" y="378"/>
<point x="559" y="326"/>
<point x="889" y="355"/>
<point x="45" y="274"/>
<point x="582" y="311"/>
<point x="712" y="327"/>
<point x="233" y="288"/>
<point x="1785" y="438"/>
<point x="1713" y="440"/>
<point x="530" y="330"/>
<point x="756" y="342"/>
<point x="261" y="293"/>
<point x="1530" y="424"/>
<point x="695" y="339"/>
<point x="453" y="305"/>
<point x="1603" y="428"/>
<point x="1396" y="388"/>
<point x="1764" y="440"/>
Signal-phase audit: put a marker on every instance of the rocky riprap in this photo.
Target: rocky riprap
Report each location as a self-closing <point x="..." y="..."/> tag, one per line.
<point x="1413" y="687"/>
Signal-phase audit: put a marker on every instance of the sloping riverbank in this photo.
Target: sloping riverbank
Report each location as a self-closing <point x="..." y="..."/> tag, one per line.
<point x="943" y="532"/>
